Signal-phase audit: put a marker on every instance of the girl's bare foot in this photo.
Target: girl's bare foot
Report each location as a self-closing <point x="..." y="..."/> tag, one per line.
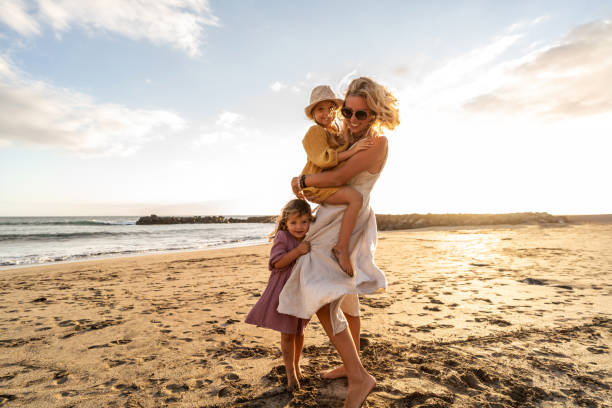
<point x="298" y="373"/>
<point x="334" y="373"/>
<point x="358" y="391"/>
<point x="293" y="384"/>
<point x="343" y="258"/>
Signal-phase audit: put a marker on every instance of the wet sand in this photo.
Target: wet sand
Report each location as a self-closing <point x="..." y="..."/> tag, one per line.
<point x="502" y="316"/>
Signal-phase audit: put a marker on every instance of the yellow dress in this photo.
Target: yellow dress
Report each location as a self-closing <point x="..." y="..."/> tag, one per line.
<point x="322" y="148"/>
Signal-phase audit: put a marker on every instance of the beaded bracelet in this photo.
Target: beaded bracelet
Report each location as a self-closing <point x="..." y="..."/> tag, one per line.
<point x="302" y="182"/>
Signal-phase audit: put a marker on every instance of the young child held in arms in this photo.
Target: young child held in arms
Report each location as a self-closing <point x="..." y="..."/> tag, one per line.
<point x="325" y="148"/>
<point x="288" y="245"/>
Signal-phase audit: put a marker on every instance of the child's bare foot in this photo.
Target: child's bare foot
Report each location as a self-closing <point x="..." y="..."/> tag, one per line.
<point x="293" y="384"/>
<point x="343" y="258"/>
<point x="334" y="373"/>
<point x="358" y="392"/>
<point x="298" y="373"/>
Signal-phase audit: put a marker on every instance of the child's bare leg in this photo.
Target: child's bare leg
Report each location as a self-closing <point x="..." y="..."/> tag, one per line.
<point x="298" y="345"/>
<point x="288" y="350"/>
<point x="354" y="200"/>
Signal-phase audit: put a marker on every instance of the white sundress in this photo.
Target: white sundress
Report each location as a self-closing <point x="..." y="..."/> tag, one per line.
<point x="317" y="279"/>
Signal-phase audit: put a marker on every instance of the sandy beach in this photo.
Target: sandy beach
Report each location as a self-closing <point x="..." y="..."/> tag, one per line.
<point x="500" y="316"/>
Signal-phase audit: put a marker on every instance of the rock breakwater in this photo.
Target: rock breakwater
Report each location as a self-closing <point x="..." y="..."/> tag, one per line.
<point x="385" y="221"/>
<point x="408" y="221"/>
<point x="208" y="219"/>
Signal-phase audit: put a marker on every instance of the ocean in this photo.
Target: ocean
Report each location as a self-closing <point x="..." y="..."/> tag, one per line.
<point x="43" y="240"/>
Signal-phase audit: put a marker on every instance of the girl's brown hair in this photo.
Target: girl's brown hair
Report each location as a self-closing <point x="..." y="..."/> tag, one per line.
<point x="297" y="206"/>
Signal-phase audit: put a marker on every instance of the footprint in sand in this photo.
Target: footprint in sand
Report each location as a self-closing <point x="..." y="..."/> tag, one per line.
<point x="8" y="377"/>
<point x="6" y="398"/>
<point x="598" y="349"/>
<point x="200" y="383"/>
<point x="230" y="321"/>
<point x="60" y="377"/>
<point x="122" y="387"/>
<point x="231" y="377"/>
<point x="177" y="388"/>
<point x="114" y="363"/>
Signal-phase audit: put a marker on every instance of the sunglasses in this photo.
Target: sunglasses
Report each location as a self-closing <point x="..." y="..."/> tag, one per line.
<point x="359" y="115"/>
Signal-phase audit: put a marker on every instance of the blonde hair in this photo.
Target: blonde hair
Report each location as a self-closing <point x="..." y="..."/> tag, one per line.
<point x="297" y="206"/>
<point x="379" y="100"/>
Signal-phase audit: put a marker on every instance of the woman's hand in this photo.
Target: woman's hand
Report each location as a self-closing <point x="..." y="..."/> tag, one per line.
<point x="295" y="186"/>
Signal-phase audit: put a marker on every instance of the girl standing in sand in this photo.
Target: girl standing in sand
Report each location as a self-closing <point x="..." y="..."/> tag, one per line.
<point x="317" y="284"/>
<point x="288" y="245"/>
<point x="326" y="148"/>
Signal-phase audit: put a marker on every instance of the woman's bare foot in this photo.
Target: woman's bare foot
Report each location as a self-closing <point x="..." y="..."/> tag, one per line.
<point x="358" y="391"/>
<point x="334" y="373"/>
<point x="343" y="258"/>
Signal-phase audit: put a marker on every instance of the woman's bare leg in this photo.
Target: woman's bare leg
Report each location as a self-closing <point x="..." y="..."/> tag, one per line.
<point x="354" y="323"/>
<point x="298" y="344"/>
<point x="360" y="382"/>
<point x="288" y="350"/>
<point x="354" y="200"/>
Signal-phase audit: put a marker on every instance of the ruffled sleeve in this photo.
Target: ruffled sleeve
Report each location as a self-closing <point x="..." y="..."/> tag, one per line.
<point x="317" y="148"/>
<point x="280" y="246"/>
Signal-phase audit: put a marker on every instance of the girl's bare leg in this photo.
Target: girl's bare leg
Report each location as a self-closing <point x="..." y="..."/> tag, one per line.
<point x="298" y="344"/>
<point x="288" y="350"/>
<point x="354" y="323"/>
<point x="360" y="382"/>
<point x="354" y="200"/>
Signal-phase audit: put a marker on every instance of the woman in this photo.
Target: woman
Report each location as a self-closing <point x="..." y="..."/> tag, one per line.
<point x="317" y="283"/>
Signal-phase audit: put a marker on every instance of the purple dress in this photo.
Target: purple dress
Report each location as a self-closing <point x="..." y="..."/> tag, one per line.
<point x="264" y="312"/>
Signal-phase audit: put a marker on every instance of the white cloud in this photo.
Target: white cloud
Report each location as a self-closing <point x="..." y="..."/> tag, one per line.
<point x="36" y="113"/>
<point x="277" y="86"/>
<point x="570" y="78"/>
<point x="179" y="23"/>
<point x="468" y="67"/>
<point x="214" y="137"/>
<point x="496" y="160"/>
<point x="228" y="128"/>
<point x="526" y="24"/>
<point x="14" y="14"/>
<point x="6" y="69"/>
<point x="425" y="88"/>
<point x="228" y="119"/>
<point x="346" y="80"/>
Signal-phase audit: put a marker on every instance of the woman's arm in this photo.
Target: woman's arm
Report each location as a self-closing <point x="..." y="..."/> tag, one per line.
<point x="365" y="160"/>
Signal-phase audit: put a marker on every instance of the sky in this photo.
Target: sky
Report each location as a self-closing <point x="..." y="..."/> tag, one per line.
<point x="195" y="107"/>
